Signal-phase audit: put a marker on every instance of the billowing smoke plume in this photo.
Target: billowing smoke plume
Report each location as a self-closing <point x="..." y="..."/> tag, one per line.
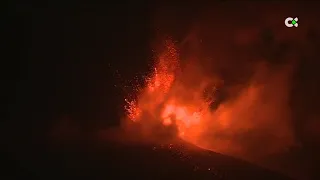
<point x="226" y="84"/>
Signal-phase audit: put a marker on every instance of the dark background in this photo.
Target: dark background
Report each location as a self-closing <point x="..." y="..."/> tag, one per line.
<point x="58" y="64"/>
<point x="62" y="61"/>
<point x="62" y="58"/>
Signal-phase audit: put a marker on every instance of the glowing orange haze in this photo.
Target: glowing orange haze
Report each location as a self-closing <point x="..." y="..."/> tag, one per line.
<point x="253" y="121"/>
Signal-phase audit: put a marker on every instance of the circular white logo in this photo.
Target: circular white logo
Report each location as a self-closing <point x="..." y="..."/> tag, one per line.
<point x="291" y="22"/>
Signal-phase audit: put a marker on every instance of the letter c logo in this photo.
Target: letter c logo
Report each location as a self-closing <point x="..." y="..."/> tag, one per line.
<point x="290" y="22"/>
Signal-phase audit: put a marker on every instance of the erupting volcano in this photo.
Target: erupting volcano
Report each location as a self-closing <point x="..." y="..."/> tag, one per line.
<point x="164" y="101"/>
<point x="167" y="105"/>
<point x="178" y="99"/>
<point x="184" y="100"/>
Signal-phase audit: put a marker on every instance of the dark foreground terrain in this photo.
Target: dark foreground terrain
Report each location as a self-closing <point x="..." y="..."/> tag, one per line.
<point x="103" y="159"/>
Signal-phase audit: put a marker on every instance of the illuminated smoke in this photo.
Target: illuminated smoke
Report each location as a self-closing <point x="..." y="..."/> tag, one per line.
<point x="182" y="100"/>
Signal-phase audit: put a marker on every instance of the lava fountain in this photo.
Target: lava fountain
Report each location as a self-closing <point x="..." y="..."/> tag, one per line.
<point x="178" y="99"/>
<point x="166" y="104"/>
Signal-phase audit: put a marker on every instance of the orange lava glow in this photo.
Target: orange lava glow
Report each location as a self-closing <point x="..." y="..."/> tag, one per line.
<point x="162" y="101"/>
<point x="180" y="97"/>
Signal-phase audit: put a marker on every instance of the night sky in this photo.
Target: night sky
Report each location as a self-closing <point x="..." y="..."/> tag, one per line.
<point x="60" y="62"/>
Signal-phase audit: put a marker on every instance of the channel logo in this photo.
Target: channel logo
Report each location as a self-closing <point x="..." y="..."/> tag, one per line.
<point x="290" y="22"/>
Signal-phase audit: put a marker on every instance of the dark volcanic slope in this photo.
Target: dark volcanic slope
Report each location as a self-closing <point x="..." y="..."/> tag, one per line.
<point x="181" y="160"/>
<point x="105" y="160"/>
